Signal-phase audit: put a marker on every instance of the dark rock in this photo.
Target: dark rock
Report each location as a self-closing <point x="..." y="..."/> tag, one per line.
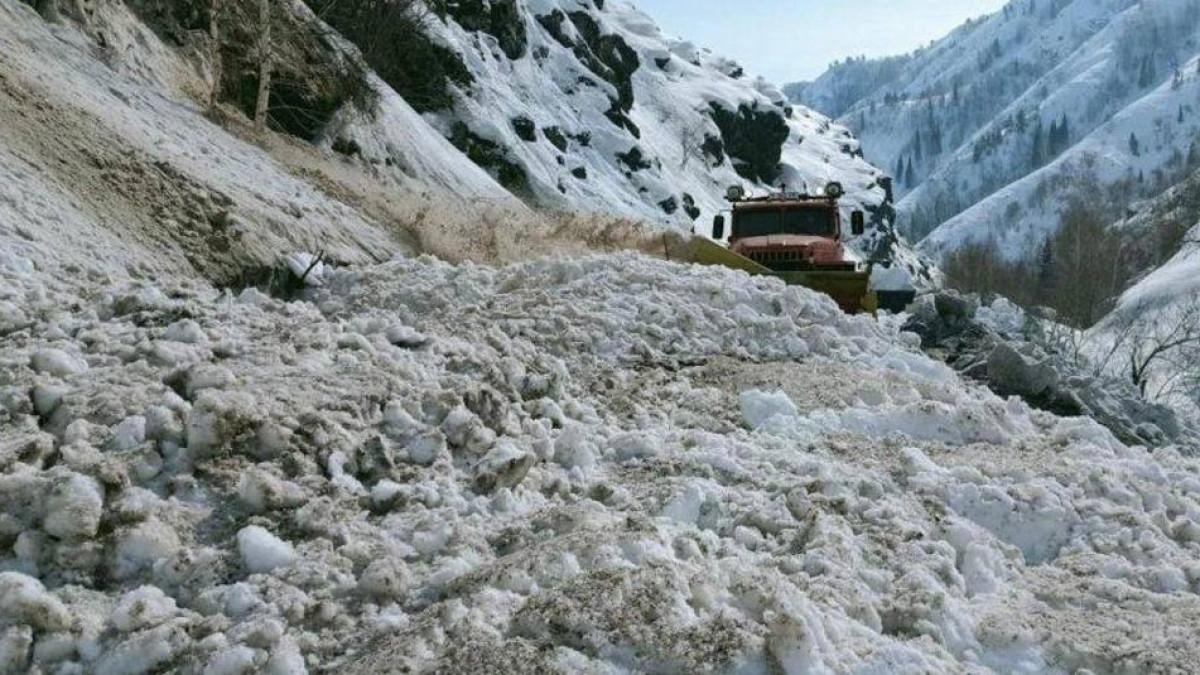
<point x="607" y="56"/>
<point x="753" y="136"/>
<point x="634" y="159"/>
<point x="394" y="42"/>
<point x="556" y="138"/>
<point x="499" y="18"/>
<point x="954" y="308"/>
<point x="525" y="128"/>
<point x="670" y="205"/>
<point x="491" y="156"/>
<point x="348" y="147"/>
<point x="689" y="206"/>
<point x="1012" y="373"/>
<point x="580" y="173"/>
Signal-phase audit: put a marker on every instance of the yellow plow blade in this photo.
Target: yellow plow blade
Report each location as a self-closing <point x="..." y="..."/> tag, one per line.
<point x="851" y="290"/>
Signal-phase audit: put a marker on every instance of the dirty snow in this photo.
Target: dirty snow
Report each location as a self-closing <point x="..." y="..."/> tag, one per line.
<point x="595" y="465"/>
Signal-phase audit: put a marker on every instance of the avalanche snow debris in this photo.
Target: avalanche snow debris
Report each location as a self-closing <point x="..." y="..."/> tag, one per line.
<point x="998" y="343"/>
<point x="561" y="479"/>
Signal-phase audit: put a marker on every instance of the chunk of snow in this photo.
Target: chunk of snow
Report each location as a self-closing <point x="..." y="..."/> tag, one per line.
<point x="24" y="600"/>
<point x="73" y="508"/>
<point x="237" y="660"/>
<point x="143" y="607"/>
<point x="57" y="362"/>
<point x="759" y="406"/>
<point x="186" y="331"/>
<point x="262" y="551"/>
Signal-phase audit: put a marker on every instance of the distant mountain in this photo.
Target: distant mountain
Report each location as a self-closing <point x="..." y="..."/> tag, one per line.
<point x="992" y="130"/>
<point x="794" y="91"/>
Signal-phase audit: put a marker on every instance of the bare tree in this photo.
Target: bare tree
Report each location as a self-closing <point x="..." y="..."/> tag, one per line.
<point x="214" y="36"/>
<point x="264" y="64"/>
<point x="1157" y="348"/>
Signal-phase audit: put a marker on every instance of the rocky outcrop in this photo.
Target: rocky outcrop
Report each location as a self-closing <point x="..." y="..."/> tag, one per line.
<point x="500" y="19"/>
<point x="753" y="137"/>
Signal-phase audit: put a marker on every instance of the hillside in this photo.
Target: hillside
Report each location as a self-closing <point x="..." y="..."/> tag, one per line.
<point x="1009" y="117"/>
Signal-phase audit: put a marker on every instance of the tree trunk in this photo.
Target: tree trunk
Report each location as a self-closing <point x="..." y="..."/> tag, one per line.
<point x="214" y="36"/>
<point x="264" y="65"/>
<point x="48" y="9"/>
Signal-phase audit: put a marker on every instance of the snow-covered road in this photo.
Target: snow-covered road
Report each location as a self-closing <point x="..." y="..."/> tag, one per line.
<point x="609" y="464"/>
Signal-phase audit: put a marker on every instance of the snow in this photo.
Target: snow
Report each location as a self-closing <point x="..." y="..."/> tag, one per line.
<point x="758" y="407"/>
<point x="1114" y="68"/>
<point x="262" y="551"/>
<point x="73" y="508"/>
<point x="143" y="607"/>
<point x="57" y="362"/>
<point x="605" y="463"/>
<point x="574" y="441"/>
<point x="25" y="601"/>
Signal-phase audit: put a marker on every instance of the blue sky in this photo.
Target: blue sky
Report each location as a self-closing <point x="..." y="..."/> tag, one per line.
<point x="788" y="40"/>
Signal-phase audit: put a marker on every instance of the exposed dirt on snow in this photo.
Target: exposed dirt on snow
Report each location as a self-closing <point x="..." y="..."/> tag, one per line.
<point x="562" y="466"/>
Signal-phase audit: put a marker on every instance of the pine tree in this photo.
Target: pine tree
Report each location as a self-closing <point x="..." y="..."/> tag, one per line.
<point x="917" y="146"/>
<point x="1179" y="118"/>
<point x="1135" y="148"/>
<point x="1052" y="141"/>
<point x="1047" y="275"/>
<point x="1147" y="76"/>
<point x="1064" y="134"/>
<point x="1039" y="151"/>
<point x="910" y="178"/>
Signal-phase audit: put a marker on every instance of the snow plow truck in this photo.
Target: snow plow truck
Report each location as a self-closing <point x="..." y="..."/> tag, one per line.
<point x="796" y="237"/>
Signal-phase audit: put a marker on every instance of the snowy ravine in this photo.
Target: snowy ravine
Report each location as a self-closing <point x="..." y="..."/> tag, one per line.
<point x="607" y="465"/>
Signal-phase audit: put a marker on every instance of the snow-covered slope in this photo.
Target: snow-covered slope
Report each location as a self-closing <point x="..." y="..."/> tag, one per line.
<point x="114" y="155"/>
<point x="1140" y="150"/>
<point x="589" y="106"/>
<point x="1002" y="119"/>
<point x="102" y="140"/>
<point x="591" y="83"/>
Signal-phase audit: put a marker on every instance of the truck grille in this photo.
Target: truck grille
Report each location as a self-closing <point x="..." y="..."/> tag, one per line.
<point x="768" y="257"/>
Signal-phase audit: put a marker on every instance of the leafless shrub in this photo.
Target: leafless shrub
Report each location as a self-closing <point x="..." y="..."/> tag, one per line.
<point x="502" y="231"/>
<point x="1157" y="347"/>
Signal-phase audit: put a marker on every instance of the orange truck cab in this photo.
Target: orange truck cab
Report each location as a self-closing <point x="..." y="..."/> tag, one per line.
<point x="798" y="238"/>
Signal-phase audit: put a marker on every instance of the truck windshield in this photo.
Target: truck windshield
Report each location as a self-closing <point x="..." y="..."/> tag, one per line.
<point x="812" y="222"/>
